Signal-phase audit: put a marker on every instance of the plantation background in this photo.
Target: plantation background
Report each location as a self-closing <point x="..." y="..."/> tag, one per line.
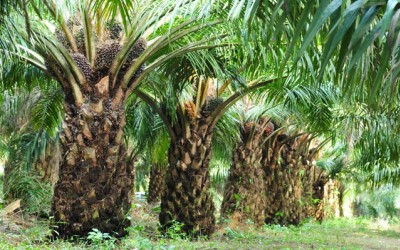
<point x="199" y="124"/>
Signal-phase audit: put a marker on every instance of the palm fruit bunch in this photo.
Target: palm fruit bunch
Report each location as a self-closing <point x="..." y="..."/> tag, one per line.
<point x="190" y="108"/>
<point x="139" y="71"/>
<point x="210" y="105"/>
<point x="106" y="50"/>
<point x="80" y="41"/>
<point x="85" y="67"/>
<point x="62" y="38"/>
<point x="71" y="22"/>
<point x="269" y="129"/>
<point x="72" y="25"/>
<point x="105" y="56"/>
<point x="137" y="49"/>
<point x="114" y="29"/>
<point x="53" y="72"/>
<point x="107" y="53"/>
<point x="282" y="137"/>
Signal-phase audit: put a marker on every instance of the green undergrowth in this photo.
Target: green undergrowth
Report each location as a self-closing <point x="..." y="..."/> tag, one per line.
<point x="332" y="234"/>
<point x="35" y="195"/>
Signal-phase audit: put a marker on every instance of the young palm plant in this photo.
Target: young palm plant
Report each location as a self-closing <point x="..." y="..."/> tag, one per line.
<point x="150" y="139"/>
<point x="372" y="137"/>
<point x="26" y="139"/>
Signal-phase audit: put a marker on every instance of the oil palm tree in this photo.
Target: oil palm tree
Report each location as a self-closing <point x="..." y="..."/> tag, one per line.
<point x="244" y="192"/>
<point x="262" y="150"/>
<point x="30" y="114"/>
<point x="151" y="138"/>
<point x="191" y="116"/>
<point x="294" y="184"/>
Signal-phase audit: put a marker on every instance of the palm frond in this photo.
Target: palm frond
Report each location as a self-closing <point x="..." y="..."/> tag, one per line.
<point x="48" y="111"/>
<point x="362" y="39"/>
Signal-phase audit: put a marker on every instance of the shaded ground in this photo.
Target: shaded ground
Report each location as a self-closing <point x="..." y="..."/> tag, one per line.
<point x="19" y="231"/>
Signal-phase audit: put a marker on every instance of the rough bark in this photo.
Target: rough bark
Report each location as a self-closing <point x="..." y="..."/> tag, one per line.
<point x="7" y="171"/>
<point x="95" y="184"/>
<point x="314" y="180"/>
<point x="292" y="183"/>
<point x="156" y="184"/>
<point x="244" y="191"/>
<point x="340" y="197"/>
<point x="333" y="198"/>
<point x="283" y="189"/>
<point x="186" y="198"/>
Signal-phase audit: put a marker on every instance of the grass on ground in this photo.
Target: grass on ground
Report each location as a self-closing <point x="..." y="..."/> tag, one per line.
<point x="26" y="232"/>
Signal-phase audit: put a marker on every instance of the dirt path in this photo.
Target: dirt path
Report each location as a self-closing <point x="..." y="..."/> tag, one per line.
<point x="12" y="226"/>
<point x="377" y="238"/>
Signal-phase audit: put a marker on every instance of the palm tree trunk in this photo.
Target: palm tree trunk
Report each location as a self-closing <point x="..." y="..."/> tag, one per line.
<point x="277" y="184"/>
<point x="6" y="180"/>
<point x="157" y="183"/>
<point x="95" y="184"/>
<point x="49" y="164"/>
<point x="313" y="182"/>
<point x="332" y="200"/>
<point x="295" y="187"/>
<point x="341" y="190"/>
<point x="283" y="181"/>
<point x="186" y="198"/>
<point x="318" y="196"/>
<point x="244" y="191"/>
